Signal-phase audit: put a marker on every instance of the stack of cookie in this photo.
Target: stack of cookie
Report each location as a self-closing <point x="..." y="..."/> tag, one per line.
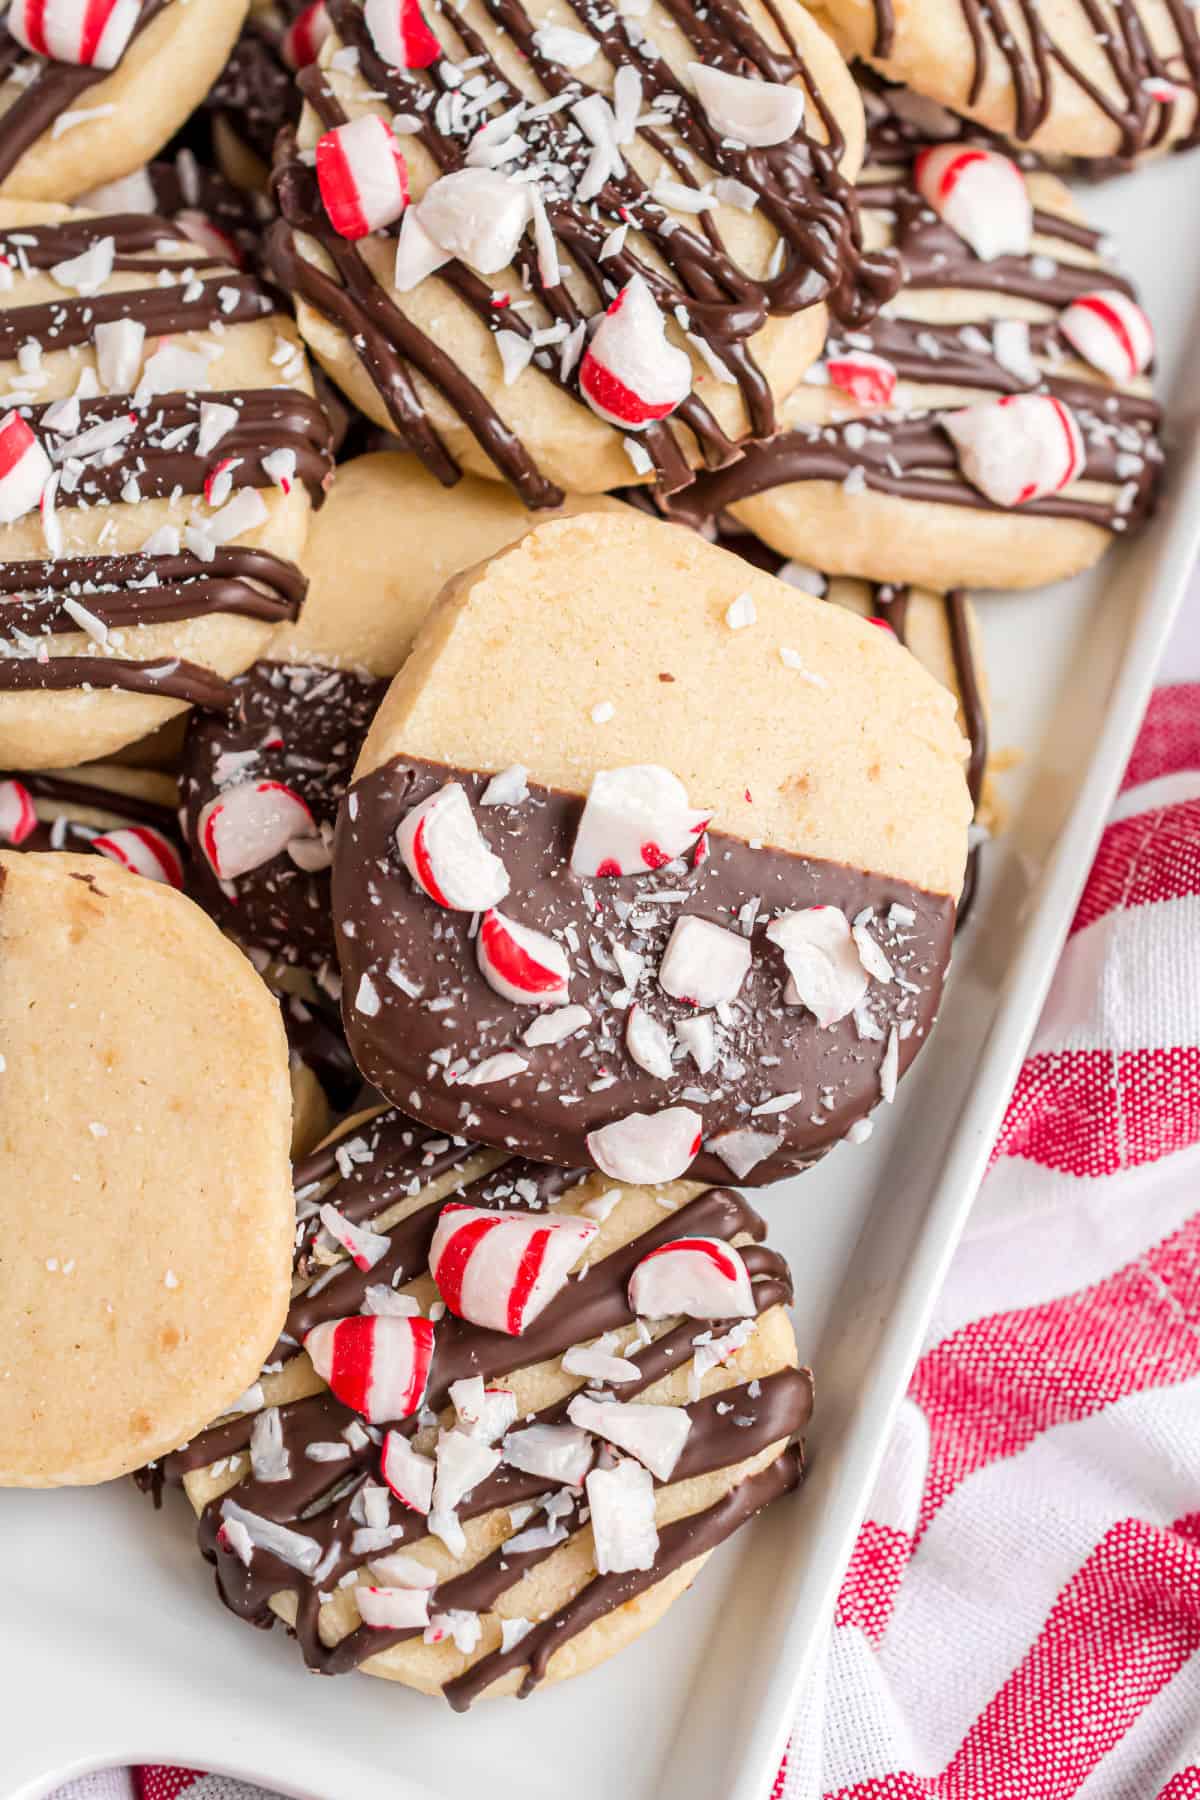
<point x="493" y="735"/>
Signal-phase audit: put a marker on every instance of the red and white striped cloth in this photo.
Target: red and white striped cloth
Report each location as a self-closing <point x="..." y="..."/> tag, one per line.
<point x="1021" y="1616"/>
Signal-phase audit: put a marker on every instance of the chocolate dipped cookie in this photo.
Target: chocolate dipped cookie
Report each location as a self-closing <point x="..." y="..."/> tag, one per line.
<point x="573" y="248"/>
<point x="475" y="1476"/>
<point x="649" y="861"/>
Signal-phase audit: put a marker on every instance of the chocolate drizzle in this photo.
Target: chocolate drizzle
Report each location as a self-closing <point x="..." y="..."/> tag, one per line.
<point x="365" y="1173"/>
<point x="170" y="678"/>
<point x="1027" y="41"/>
<point x="302" y="725"/>
<point x="141" y="589"/>
<point x="52" y="90"/>
<point x="798" y="185"/>
<point x="908" y="455"/>
<point x="418" y="1044"/>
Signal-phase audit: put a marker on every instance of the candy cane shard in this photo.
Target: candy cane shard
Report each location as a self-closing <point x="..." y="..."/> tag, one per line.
<point x="303" y="38"/>
<point x="621" y="1501"/>
<point x="407" y="1473"/>
<point x="702" y="1278"/>
<point x="757" y="113"/>
<point x="24" y="469"/>
<point x="143" y="851"/>
<point x="1017" y="448"/>
<point x="823" y="962"/>
<point x="245" y="826"/>
<point x="476" y="215"/>
<point x="981" y="195"/>
<point x="635" y="819"/>
<point x="377" y="1365"/>
<point x="647" y="1147"/>
<point x="1110" y="331"/>
<point x="441" y="847"/>
<point x="92" y="34"/>
<point x="392" y="1609"/>
<point x="362" y="175"/>
<point x="631" y="374"/>
<point x="501" y="1270"/>
<point x="654" y="1434"/>
<point x="559" y="1453"/>
<point x="18" y="816"/>
<point x="521" y="964"/>
<point x="868" y="379"/>
<point x="703" y="963"/>
<point x="648" y="1043"/>
<point x="484" y="1413"/>
<point x="400" y="35"/>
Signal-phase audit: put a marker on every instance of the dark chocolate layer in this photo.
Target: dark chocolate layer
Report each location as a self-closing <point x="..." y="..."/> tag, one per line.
<point x="413" y="1047"/>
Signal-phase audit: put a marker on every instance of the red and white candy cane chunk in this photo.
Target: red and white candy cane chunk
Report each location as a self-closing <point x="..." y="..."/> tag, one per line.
<point x="702" y="1278"/>
<point x="441" y="847"/>
<point x="407" y="1473"/>
<point x="981" y="195"/>
<point x="868" y="379"/>
<point x="1110" y="331"/>
<point x="631" y="374"/>
<point x="647" y="1147"/>
<point x="1018" y="448"/>
<point x="362" y="175"/>
<point x="24" y="469"/>
<point x="143" y="851"/>
<point x="635" y="819"/>
<point x="392" y="1609"/>
<point x="247" y="825"/>
<point x="18" y="816"/>
<point x="376" y="1364"/>
<point x="500" y="1270"/>
<point x="93" y="34"/>
<point x="703" y="963"/>
<point x="521" y="964"/>
<point x="400" y="35"/>
<point x="304" y="36"/>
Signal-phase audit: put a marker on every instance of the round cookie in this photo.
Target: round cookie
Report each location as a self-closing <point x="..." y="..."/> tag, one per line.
<point x="146" y="1117"/>
<point x="485" y="370"/>
<point x="834" y="779"/>
<point x="386" y="540"/>
<point x="164" y="415"/>
<point x="66" y="127"/>
<point x="509" y="1571"/>
<point x="1092" y="82"/>
<point x="873" y="487"/>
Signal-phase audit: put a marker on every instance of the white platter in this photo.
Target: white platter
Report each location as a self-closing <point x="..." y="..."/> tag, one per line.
<point x="113" y="1646"/>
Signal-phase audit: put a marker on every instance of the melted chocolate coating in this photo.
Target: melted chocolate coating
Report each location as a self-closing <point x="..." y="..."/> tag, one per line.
<point x="799" y="186"/>
<point x="302" y="725"/>
<point x="568" y="1090"/>
<point x="909" y="455"/>
<point x="364" y="1174"/>
<point x="1038" y="60"/>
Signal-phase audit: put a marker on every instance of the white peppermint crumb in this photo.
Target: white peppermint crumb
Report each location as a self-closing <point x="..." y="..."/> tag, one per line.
<point x="602" y="713"/>
<point x="97" y="1130"/>
<point x="171" y="1279"/>
<point x="860" y="1131"/>
<point x="741" y="612"/>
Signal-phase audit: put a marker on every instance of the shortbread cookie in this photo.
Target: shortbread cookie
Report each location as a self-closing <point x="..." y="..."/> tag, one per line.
<point x="646" y="980"/>
<point x="1083" y="78"/>
<point x="128" y="815"/>
<point x="148" y="1213"/>
<point x="156" y="466"/>
<point x="383" y="545"/>
<point x="995" y="425"/>
<point x="91" y="89"/>
<point x="566" y="170"/>
<point x="523" y="1473"/>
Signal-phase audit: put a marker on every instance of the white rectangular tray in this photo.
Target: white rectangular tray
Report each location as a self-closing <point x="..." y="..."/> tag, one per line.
<point x="113" y="1646"/>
